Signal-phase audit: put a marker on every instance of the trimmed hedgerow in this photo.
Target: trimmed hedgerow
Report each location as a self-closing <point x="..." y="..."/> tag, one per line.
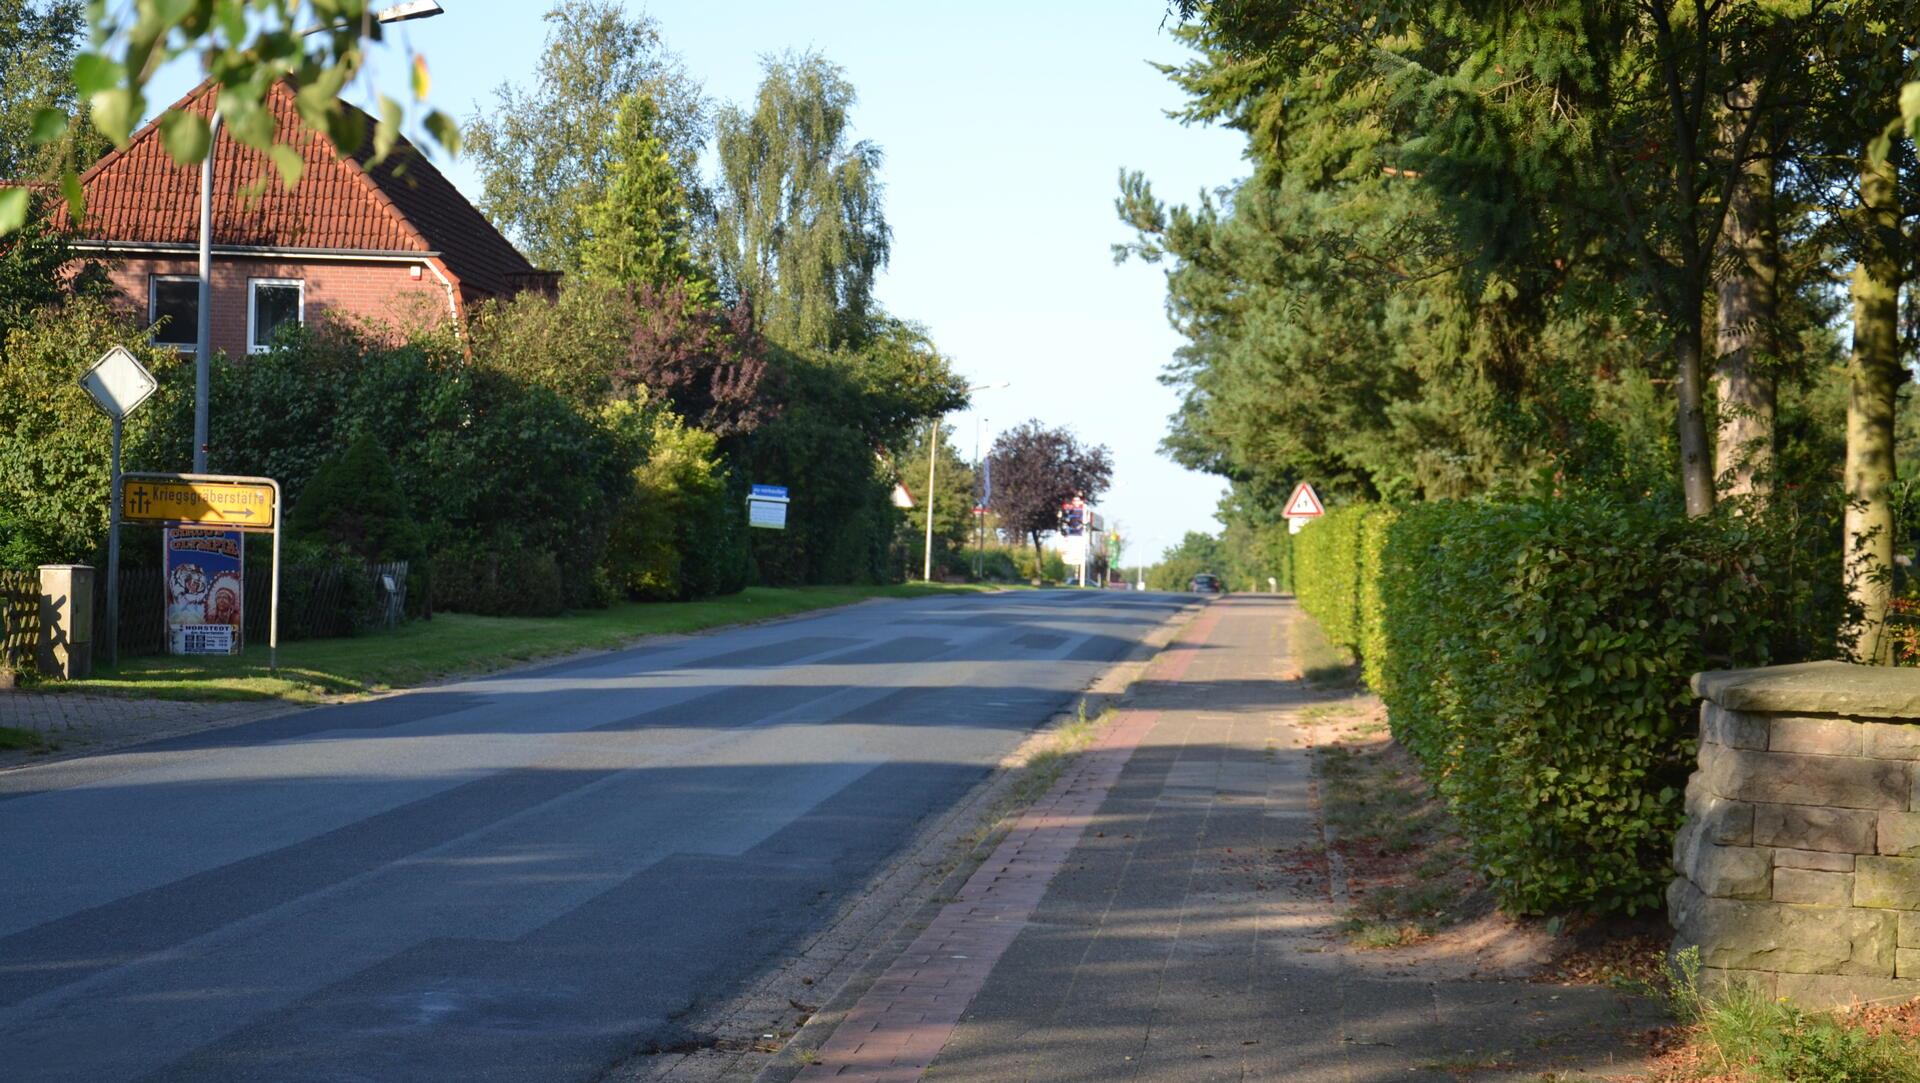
<point x="1534" y="658"/>
<point x="1328" y="571"/>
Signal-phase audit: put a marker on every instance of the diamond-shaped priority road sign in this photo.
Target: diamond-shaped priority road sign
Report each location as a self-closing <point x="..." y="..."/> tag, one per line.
<point x="118" y="383"/>
<point x="1304" y="503"/>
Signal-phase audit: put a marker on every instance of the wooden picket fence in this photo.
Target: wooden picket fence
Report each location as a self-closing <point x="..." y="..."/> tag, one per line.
<point x="316" y="602"/>
<point x="19" y="619"/>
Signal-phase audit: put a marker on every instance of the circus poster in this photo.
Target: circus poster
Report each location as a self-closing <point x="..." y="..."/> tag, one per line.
<point x="205" y="576"/>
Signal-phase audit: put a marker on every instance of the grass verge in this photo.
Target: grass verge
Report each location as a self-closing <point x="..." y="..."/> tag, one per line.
<point x="1324" y="665"/>
<point x="13" y="739"/>
<point x="454" y="644"/>
<point x="1045" y="762"/>
<point x="1740" y="1035"/>
<point x="1407" y="867"/>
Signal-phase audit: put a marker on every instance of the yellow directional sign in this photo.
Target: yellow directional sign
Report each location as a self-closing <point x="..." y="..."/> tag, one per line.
<point x="231" y="504"/>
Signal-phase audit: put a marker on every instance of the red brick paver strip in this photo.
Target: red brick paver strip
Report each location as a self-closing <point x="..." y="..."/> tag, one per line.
<point x="896" y="1028"/>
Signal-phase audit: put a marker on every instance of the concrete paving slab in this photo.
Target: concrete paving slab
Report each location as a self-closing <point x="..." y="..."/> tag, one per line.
<point x="1181" y="939"/>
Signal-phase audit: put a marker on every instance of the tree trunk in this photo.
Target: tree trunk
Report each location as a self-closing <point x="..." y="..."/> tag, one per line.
<point x="1749" y="298"/>
<point x="1696" y="460"/>
<point x="1873" y="378"/>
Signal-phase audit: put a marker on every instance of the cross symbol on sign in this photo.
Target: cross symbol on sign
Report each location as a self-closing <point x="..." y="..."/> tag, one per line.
<point x="139" y="499"/>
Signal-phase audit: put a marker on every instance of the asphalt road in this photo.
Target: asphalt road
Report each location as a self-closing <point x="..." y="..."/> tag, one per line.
<point x="522" y="877"/>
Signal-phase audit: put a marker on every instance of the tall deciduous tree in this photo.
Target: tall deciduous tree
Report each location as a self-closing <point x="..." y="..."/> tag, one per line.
<point x="800" y="224"/>
<point x="544" y="151"/>
<point x="1747" y="338"/>
<point x="38" y="39"/>
<point x="1037" y="470"/>
<point x="1857" y="169"/>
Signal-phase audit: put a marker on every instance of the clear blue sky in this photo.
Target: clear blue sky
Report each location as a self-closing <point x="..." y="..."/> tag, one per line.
<point x="1005" y="126"/>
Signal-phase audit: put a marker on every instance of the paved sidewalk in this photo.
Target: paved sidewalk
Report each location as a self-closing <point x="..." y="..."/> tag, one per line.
<point x="1163" y="914"/>
<point x="78" y="724"/>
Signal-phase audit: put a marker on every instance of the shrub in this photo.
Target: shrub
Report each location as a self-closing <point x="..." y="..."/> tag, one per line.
<point x="54" y="442"/>
<point x="999" y="565"/>
<point x="679" y="533"/>
<point x="499" y="578"/>
<point x="1050" y="567"/>
<point x="1534" y="657"/>
<point x="354" y="501"/>
<point x="326" y="589"/>
<point x="485" y="459"/>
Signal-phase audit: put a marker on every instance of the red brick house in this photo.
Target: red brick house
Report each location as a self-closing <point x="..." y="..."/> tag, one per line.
<point x="393" y="243"/>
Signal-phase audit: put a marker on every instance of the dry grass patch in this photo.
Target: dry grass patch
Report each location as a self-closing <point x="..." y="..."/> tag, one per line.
<point x="1407" y="870"/>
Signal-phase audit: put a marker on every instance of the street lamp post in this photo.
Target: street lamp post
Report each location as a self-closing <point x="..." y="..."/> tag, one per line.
<point x="933" y="457"/>
<point x="980" y="510"/>
<point x="203" y="349"/>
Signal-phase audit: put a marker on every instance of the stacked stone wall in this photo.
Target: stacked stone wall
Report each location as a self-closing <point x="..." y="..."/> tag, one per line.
<point x="1799" y="860"/>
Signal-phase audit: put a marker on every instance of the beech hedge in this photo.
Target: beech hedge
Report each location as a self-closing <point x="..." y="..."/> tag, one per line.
<point x="1534" y="658"/>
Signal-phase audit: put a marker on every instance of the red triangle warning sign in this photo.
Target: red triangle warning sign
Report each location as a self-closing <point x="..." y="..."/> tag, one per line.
<point x="1304" y="504"/>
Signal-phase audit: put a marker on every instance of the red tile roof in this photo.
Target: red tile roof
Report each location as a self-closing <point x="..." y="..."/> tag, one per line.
<point x="402" y="204"/>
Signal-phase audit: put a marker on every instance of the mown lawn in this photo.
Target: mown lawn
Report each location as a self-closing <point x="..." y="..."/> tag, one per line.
<point x="453" y="644"/>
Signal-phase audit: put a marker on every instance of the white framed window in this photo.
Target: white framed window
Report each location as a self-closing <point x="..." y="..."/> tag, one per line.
<point x="176" y="298"/>
<point x="273" y="303"/>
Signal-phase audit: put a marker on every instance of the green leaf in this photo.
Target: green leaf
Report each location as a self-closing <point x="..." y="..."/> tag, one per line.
<point x="387" y="132"/>
<point x="288" y="161"/>
<point x="13" y="210"/>
<point x="76" y="194"/>
<point x="1879" y="146"/>
<point x="48" y="125"/>
<point x="421" y="80"/>
<point x="185" y="136"/>
<point x="444" y="131"/>
<point x="113" y="113"/>
<point x="1910" y="108"/>
<point x="247" y="119"/>
<point x="93" y="73"/>
<point x="231" y="15"/>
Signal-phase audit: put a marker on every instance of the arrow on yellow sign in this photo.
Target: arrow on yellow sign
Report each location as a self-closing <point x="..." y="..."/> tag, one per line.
<point x="208" y="503"/>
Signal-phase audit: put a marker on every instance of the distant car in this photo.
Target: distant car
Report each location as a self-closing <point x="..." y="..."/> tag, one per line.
<point x="1205" y="584"/>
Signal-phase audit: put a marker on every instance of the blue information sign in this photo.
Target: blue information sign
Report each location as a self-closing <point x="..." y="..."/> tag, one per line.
<point x="767" y="507"/>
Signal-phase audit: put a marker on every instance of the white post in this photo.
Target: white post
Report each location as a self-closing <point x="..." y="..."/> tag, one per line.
<point x="933" y="456"/>
<point x="273" y="595"/>
<point x="203" y="348"/>
<point x="113" y="552"/>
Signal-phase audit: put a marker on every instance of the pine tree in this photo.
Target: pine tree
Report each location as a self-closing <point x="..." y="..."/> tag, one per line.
<point x="637" y="232"/>
<point x="544" y="152"/>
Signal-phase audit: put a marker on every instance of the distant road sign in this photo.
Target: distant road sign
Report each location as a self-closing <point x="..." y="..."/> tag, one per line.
<point x="236" y="504"/>
<point x="767" y="507"/>
<point x="1304" y="504"/>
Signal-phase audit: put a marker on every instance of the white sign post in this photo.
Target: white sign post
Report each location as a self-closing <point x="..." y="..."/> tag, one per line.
<point x="1302" y="506"/>
<point x="118" y="383"/>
